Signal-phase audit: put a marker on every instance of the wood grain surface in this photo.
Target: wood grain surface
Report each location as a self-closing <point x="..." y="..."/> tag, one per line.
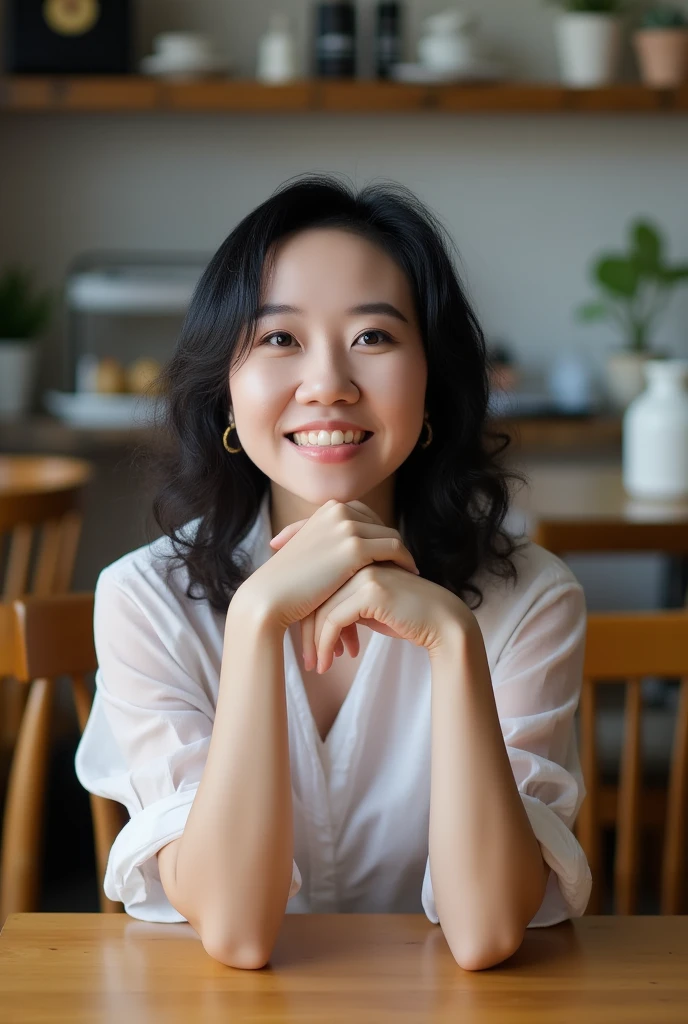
<point x="338" y="969"/>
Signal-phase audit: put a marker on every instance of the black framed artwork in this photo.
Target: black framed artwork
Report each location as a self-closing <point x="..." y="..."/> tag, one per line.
<point x="69" y="36"/>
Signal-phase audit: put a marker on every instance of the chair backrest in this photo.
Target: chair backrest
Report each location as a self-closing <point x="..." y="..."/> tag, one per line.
<point x="40" y="526"/>
<point x="52" y="638"/>
<point x="40" y="514"/>
<point x="624" y="649"/>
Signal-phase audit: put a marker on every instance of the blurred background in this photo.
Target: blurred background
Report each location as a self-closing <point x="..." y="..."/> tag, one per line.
<point x="551" y="139"/>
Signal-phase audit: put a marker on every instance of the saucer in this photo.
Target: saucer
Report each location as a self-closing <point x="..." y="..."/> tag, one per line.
<point x="157" y="64"/>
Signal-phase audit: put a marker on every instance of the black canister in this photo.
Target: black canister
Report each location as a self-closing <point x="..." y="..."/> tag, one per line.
<point x="388" y="38"/>
<point x="335" y="40"/>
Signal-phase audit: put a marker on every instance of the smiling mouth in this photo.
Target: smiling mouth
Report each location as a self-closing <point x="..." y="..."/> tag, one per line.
<point x="366" y="436"/>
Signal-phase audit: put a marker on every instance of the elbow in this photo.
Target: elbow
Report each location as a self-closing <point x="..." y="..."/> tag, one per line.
<point x="477" y="954"/>
<point x="246" y="956"/>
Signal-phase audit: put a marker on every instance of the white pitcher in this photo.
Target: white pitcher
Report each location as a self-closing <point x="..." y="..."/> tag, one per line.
<point x="655" y="433"/>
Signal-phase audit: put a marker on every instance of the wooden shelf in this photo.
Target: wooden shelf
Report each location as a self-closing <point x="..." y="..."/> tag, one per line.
<point x="132" y="93"/>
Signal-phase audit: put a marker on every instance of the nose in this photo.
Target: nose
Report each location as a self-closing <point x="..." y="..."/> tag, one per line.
<point x="326" y="378"/>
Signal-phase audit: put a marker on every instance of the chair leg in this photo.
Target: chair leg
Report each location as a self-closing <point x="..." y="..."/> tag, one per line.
<point x="24" y="805"/>
<point x="109" y="818"/>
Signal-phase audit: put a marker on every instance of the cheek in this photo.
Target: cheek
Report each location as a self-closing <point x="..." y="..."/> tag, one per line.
<point x="256" y="388"/>
<point x="400" y="394"/>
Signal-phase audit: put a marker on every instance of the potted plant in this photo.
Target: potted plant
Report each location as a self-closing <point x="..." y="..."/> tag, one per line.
<point x="636" y="287"/>
<point x="24" y="312"/>
<point x="588" y="36"/>
<point x="661" y="45"/>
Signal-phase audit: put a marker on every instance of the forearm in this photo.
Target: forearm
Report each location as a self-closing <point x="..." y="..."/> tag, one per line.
<point x="234" y="861"/>
<point x="487" y="870"/>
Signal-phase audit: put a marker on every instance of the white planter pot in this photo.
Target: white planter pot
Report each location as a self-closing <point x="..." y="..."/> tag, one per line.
<point x="655" y="434"/>
<point x="626" y="377"/>
<point x="589" y="48"/>
<point x="18" y="361"/>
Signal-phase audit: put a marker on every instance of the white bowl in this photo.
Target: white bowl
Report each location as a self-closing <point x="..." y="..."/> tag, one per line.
<point x="89" y="409"/>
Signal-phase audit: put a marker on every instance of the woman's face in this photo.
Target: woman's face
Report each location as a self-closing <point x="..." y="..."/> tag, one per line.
<point x="336" y="339"/>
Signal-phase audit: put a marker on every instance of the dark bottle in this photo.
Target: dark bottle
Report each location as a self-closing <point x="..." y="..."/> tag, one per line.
<point x="387" y="38"/>
<point x="335" y="40"/>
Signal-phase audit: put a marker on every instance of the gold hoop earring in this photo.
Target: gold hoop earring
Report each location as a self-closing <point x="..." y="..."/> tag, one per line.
<point x="225" y="439"/>
<point x="426" y="423"/>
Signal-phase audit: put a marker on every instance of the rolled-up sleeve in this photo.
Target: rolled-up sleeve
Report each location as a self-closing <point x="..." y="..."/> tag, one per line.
<point x="537" y="682"/>
<point x="145" y="744"/>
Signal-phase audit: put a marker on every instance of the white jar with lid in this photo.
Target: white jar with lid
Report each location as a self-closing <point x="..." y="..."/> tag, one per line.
<point x="655" y="433"/>
<point x="277" y="52"/>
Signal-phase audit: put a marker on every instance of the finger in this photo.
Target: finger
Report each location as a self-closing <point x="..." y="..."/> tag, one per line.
<point x="308" y="642"/>
<point x="366" y="510"/>
<point x="344" y="614"/>
<point x="349" y="639"/>
<point x="281" y="538"/>
<point x="347" y="633"/>
<point x="386" y="548"/>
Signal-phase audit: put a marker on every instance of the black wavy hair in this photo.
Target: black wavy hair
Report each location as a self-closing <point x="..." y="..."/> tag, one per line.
<point x="450" y="499"/>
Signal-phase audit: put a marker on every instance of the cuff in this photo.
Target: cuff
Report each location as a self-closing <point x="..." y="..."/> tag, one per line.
<point x="132" y="875"/>
<point x="570" y="881"/>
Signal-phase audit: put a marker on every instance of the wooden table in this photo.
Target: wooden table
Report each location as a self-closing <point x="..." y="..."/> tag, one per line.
<point x="576" y="506"/>
<point x="340" y="969"/>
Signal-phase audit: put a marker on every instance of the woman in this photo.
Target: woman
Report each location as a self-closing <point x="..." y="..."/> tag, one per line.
<point x="333" y="493"/>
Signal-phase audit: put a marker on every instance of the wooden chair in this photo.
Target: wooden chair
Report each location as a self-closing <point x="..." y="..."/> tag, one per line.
<point x="40" y="526"/>
<point x="622" y="649"/>
<point x="568" y="536"/>
<point x="51" y="637"/>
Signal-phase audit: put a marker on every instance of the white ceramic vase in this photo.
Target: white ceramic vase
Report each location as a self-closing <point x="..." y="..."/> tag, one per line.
<point x="655" y="434"/>
<point x="589" y="48"/>
<point x="17" y="377"/>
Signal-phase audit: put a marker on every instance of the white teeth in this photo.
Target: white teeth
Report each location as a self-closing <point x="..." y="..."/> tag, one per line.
<point x="324" y="438"/>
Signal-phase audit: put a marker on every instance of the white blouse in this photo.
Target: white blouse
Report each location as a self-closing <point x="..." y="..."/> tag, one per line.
<point x="361" y="798"/>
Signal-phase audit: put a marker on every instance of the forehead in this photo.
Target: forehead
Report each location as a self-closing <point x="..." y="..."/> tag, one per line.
<point x="332" y="265"/>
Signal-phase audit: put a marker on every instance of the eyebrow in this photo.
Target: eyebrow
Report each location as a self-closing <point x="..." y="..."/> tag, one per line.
<point x="376" y="308"/>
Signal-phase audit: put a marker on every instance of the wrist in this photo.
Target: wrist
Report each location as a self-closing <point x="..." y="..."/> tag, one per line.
<point x="248" y="610"/>
<point x="459" y="637"/>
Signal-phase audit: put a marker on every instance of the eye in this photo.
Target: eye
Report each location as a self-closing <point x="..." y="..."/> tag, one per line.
<point x="373" y="336"/>
<point x="278" y="334"/>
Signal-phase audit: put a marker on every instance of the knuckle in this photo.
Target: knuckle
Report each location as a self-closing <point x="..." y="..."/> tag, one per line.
<point x="348" y="528"/>
<point x="371" y="578"/>
<point x="355" y="547"/>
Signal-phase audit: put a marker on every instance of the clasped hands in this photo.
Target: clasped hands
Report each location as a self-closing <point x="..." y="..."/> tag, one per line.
<point x="383" y="595"/>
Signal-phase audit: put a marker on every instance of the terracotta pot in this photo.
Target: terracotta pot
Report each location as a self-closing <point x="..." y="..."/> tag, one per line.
<point x="662" y="56"/>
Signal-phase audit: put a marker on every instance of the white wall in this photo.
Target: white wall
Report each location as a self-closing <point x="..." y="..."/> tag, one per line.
<point x="529" y="199"/>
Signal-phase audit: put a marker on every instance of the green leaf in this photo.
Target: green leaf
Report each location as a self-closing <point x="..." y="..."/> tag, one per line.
<point x="23" y="312"/>
<point x="672" y="275"/>
<point x="647" y="245"/>
<point x="618" y="275"/>
<point x="592" y="311"/>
